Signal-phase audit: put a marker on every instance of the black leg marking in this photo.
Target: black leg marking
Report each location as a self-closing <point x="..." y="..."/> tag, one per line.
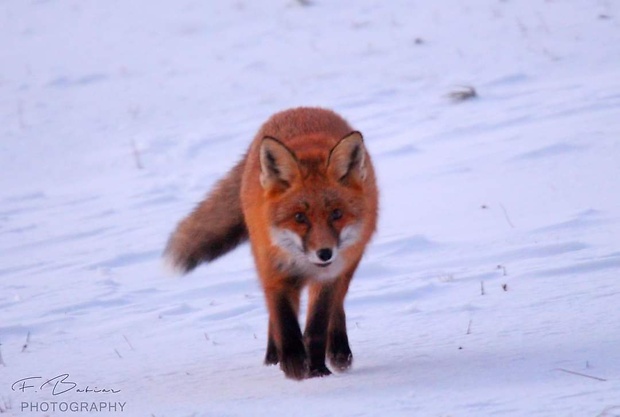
<point x="292" y="354"/>
<point x="340" y="355"/>
<point x="315" y="335"/>
<point x="339" y="352"/>
<point x="271" y="357"/>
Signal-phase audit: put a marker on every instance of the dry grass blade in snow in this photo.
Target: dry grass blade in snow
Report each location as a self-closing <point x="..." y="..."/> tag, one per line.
<point x="463" y="93"/>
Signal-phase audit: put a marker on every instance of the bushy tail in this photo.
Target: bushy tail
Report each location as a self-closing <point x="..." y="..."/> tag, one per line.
<point x="215" y="227"/>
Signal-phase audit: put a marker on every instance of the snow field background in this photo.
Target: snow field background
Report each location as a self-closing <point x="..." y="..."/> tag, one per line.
<point x="495" y="267"/>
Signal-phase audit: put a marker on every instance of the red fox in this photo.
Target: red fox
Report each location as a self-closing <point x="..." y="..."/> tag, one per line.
<point x="305" y="195"/>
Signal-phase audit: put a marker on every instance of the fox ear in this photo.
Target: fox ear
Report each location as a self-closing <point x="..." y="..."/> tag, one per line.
<point x="278" y="165"/>
<point x="347" y="160"/>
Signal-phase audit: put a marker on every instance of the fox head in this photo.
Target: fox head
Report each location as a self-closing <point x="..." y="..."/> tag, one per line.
<point x="315" y="203"/>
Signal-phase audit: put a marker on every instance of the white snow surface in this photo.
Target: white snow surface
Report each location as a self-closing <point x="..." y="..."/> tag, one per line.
<point x="492" y="287"/>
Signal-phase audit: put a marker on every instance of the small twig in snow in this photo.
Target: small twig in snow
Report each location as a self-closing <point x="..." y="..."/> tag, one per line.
<point x="136" y="154"/>
<point x="118" y="353"/>
<point x="128" y="342"/>
<point x="503" y="268"/>
<point x="469" y="328"/>
<point x="506" y="215"/>
<point x="605" y="412"/>
<point x="505" y="287"/>
<point x="463" y="93"/>
<point x="580" y="374"/>
<point x="5" y="405"/>
<point x="27" y="342"/>
<point x="213" y="342"/>
<point x="481" y="287"/>
<point x="1" y="360"/>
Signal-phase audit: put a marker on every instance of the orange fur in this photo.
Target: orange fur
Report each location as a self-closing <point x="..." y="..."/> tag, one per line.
<point x="308" y="197"/>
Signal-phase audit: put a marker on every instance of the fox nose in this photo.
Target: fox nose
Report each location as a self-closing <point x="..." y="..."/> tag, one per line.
<point x="324" y="254"/>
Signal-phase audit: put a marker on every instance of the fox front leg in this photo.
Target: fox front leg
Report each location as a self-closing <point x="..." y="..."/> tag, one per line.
<point x="315" y="335"/>
<point x="285" y="336"/>
<point x="271" y="357"/>
<point x="338" y="349"/>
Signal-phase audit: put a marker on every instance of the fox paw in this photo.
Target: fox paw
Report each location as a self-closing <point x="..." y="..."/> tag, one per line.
<point x="341" y="361"/>
<point x="295" y="367"/>
<point x="318" y="371"/>
<point x="271" y="357"/>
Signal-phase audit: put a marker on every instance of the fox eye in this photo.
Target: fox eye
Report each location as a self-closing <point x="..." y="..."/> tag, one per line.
<point x="301" y="217"/>
<point x="336" y="214"/>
